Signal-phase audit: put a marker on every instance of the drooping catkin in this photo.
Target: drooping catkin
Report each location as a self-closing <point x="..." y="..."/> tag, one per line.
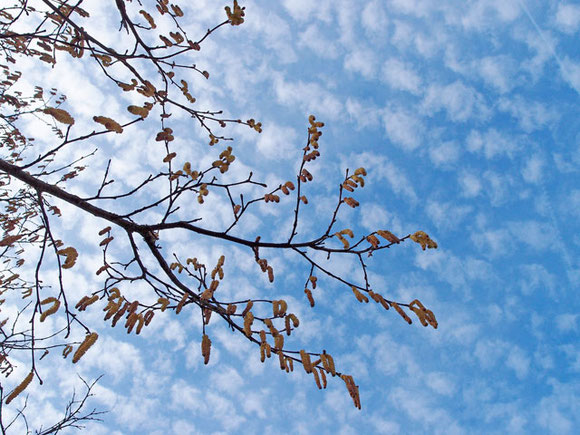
<point x="323" y="376"/>
<point x="401" y="312"/>
<point x="89" y="340"/>
<point x="317" y="378"/>
<point x="248" y="321"/>
<point x="20" y="388"/>
<point x="181" y="303"/>
<point x="53" y="309"/>
<point x="205" y="348"/>
<point x="306" y="363"/>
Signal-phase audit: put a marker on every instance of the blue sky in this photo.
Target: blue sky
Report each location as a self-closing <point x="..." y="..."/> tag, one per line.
<point x="465" y="116"/>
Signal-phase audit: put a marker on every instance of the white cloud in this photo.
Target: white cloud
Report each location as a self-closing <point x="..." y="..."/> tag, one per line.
<point x="304" y="10"/>
<point x="470" y="184"/>
<point x="363" y="113"/>
<point x="492" y="143"/>
<point x="441" y="383"/>
<point x="444" y="154"/>
<point x="401" y="76"/>
<point x="568" y="18"/>
<point x="226" y="379"/>
<point x="374" y="19"/>
<point x="318" y="42"/>
<point x="487" y="13"/>
<point x="461" y="102"/>
<point x="518" y="361"/>
<point x="496" y="71"/>
<point x="571" y="73"/>
<point x="276" y="142"/>
<point x="403" y="128"/>
<point x="531" y="115"/>
<point x="396" y="177"/>
<point x="538" y="235"/>
<point x="310" y="96"/>
<point x="447" y="215"/>
<point x="362" y="61"/>
<point x="533" y="170"/>
<point x="566" y="322"/>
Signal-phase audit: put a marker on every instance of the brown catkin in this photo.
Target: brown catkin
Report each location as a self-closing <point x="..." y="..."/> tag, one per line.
<point x="323" y="376"/>
<point x="248" y="320"/>
<point x="317" y="379"/>
<point x="282" y="360"/>
<point x="85" y="345"/>
<point x="401" y="312"/>
<point x="310" y="297"/>
<point x="20" y="388"/>
<point x="306" y="361"/>
<point x="279" y="342"/>
<point x="205" y="348"/>
<point x="148" y="317"/>
<point x="55" y="305"/>
<point x="181" y="303"/>
<point x="248" y="308"/>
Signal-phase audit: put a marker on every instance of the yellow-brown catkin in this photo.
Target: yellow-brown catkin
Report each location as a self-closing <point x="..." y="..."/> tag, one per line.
<point x="323" y="376"/>
<point x="309" y="296"/>
<point x="231" y="309"/>
<point x="401" y="312"/>
<point x="205" y="348"/>
<point x="282" y="360"/>
<point x="248" y="321"/>
<point x="248" y="308"/>
<point x="306" y="361"/>
<point x="317" y="379"/>
<point x="89" y="340"/>
<point x="20" y="388"/>
<point x="181" y="303"/>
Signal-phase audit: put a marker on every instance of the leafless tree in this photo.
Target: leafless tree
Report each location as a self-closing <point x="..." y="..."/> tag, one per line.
<point x="36" y="177"/>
